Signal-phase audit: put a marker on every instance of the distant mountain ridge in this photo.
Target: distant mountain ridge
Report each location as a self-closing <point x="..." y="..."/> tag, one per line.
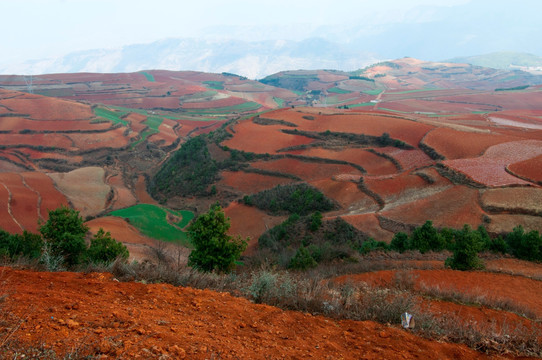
<point x="507" y="60"/>
<point x="253" y="59"/>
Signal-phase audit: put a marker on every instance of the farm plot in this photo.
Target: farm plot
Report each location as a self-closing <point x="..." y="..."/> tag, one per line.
<point x="347" y="195"/>
<point x="123" y="197"/>
<point x="452" y="207"/>
<point x="157" y="222"/>
<point x="308" y="171"/>
<point x="505" y="223"/>
<point x="490" y="168"/>
<point x="48" y="108"/>
<point x="370" y="225"/>
<point x="408" y="159"/>
<point x="49" y="197"/>
<point x="251" y="183"/>
<point x="255" y="138"/>
<point x="7" y="221"/>
<point x="23" y="201"/>
<point x="513" y="200"/>
<point x="85" y="188"/>
<point x="454" y="144"/>
<point x="530" y="169"/>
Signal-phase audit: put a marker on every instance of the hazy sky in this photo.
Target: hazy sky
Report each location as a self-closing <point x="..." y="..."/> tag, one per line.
<point x="35" y="29"/>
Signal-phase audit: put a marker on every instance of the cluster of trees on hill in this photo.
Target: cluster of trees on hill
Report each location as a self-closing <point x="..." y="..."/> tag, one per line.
<point x="62" y="243"/>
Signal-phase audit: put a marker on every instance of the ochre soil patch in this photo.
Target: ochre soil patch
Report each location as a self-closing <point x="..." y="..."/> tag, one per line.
<point x="408" y="159"/>
<point x="17" y="124"/>
<point x="520" y="290"/>
<point x="250" y="221"/>
<point x="346" y="194"/>
<point x="49" y="197"/>
<point x="454" y="144"/>
<point x="374" y="164"/>
<point x="129" y="320"/>
<point x="85" y="188"/>
<point x="48" y="108"/>
<point x="263" y="138"/>
<point x="307" y="171"/>
<point x="7" y="222"/>
<point x="23" y="201"/>
<point x="530" y="169"/>
<point x="505" y="223"/>
<point x="453" y="208"/>
<point x="515" y="200"/>
<point x="123" y="196"/>
<point x="515" y="267"/>
<point x="138" y="244"/>
<point x="490" y="168"/>
<point x="37" y="155"/>
<point x="141" y="192"/>
<point x="110" y="139"/>
<point x="369" y="224"/>
<point x="251" y="183"/>
<point x="56" y="140"/>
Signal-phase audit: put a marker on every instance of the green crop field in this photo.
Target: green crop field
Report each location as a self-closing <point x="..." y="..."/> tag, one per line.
<point x="337" y="90"/>
<point x="152" y="221"/>
<point x="153" y="123"/>
<point x="113" y="116"/>
<point x="278" y="101"/>
<point x="361" y="104"/>
<point x="372" y="92"/>
<point x="217" y="85"/>
<point x="247" y="106"/>
<point x="150" y="77"/>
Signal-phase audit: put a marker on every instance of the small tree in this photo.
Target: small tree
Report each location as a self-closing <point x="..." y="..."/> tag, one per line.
<point x="214" y="249"/>
<point x="104" y="249"/>
<point x="64" y="234"/>
<point x="426" y="238"/>
<point x="467" y="245"/>
<point x="400" y="242"/>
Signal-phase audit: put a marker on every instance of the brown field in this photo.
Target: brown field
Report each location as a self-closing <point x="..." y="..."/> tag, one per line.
<point x="16" y="124"/>
<point x="123" y="197"/>
<point x="23" y="201"/>
<point x="49" y="197"/>
<point x="453" y="208"/>
<point x="308" y="171"/>
<point x="85" y="188"/>
<point x="514" y="200"/>
<point x="529" y="169"/>
<point x="251" y="183"/>
<point x="374" y="164"/>
<point x="369" y="224"/>
<point x="7" y="222"/>
<point x="505" y="223"/>
<point x="408" y="159"/>
<point x="347" y="195"/>
<point x="47" y="108"/>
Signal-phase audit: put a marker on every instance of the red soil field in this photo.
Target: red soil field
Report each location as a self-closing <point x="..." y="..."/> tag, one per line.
<point x="490" y="169"/>
<point x="455" y="144"/>
<point x="369" y="224"/>
<point x="251" y="183"/>
<point x="137" y="244"/>
<point x="56" y="140"/>
<point x="530" y="169"/>
<point x="505" y="223"/>
<point x="518" y="289"/>
<point x="36" y="155"/>
<point x="515" y="267"/>
<point x="49" y="197"/>
<point x="374" y="164"/>
<point x="111" y="139"/>
<point x="514" y="200"/>
<point x="248" y="221"/>
<point x="166" y="133"/>
<point x="23" y="202"/>
<point x="408" y="159"/>
<point x="141" y="192"/>
<point x="47" y="108"/>
<point x="16" y="124"/>
<point x="123" y="196"/>
<point x="502" y="99"/>
<point x="136" y="121"/>
<point x="346" y="194"/>
<point x="263" y="139"/>
<point x="390" y="188"/>
<point x="128" y="320"/>
<point x="308" y="171"/>
<point x="229" y="101"/>
<point x="453" y="208"/>
<point x="7" y="222"/>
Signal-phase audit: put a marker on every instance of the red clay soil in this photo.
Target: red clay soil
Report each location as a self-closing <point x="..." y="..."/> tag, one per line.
<point x="110" y="139"/>
<point x="520" y="290"/>
<point x="59" y="140"/>
<point x="374" y="164"/>
<point x="408" y="159"/>
<point x="504" y="223"/>
<point x="49" y="197"/>
<point x="48" y="108"/>
<point x="455" y="144"/>
<point x="63" y="311"/>
<point x="453" y="208"/>
<point x="307" y="171"/>
<point x="137" y="244"/>
<point x="251" y="183"/>
<point x="123" y="196"/>
<point x="369" y="224"/>
<point x="530" y="169"/>
<point x="23" y="201"/>
<point x="141" y="192"/>
<point x="346" y="194"/>
<point x="17" y="124"/>
<point x="263" y="139"/>
<point x="515" y="267"/>
<point x="229" y="101"/>
<point x="7" y="222"/>
<point x="248" y="221"/>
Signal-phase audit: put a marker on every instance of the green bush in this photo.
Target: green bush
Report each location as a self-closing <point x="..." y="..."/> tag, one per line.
<point x="64" y="233"/>
<point x="523" y="245"/>
<point x="427" y="238"/>
<point x="400" y="242"/>
<point x="315" y="221"/>
<point x="214" y="249"/>
<point x="467" y="245"/>
<point x="302" y="260"/>
<point x="104" y="249"/>
<point x="372" y="244"/>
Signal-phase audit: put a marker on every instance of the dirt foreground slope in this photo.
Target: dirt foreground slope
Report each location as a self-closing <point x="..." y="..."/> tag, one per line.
<point x="94" y="313"/>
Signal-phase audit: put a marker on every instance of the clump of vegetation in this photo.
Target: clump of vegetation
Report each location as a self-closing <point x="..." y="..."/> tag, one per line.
<point x="298" y="198"/>
<point x="189" y="171"/>
<point x="467" y="245"/>
<point x="527" y="246"/>
<point x="214" y="249"/>
<point x="62" y="243"/>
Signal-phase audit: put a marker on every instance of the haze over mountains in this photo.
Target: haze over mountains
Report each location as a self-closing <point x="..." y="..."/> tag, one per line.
<point x="353" y="42"/>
